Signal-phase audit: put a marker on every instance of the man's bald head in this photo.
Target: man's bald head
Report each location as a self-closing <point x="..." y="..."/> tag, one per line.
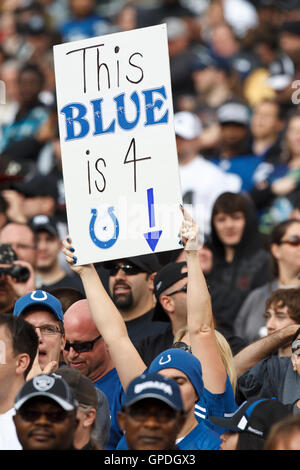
<point x="80" y="328"/>
<point x="78" y="317"/>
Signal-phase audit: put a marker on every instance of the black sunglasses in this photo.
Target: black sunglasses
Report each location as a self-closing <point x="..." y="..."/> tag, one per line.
<point x="142" y="414"/>
<point x="52" y="416"/>
<point x="83" y="346"/>
<point x="292" y="241"/>
<point x="128" y="269"/>
<point x="183" y="289"/>
<point x="182" y="345"/>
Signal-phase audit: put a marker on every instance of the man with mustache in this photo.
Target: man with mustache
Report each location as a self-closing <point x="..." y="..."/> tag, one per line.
<point x="131" y="288"/>
<point x="152" y="413"/>
<point x="45" y="416"/>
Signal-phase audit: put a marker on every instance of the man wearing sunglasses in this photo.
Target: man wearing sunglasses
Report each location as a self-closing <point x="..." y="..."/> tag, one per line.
<point x="86" y="352"/>
<point x="152" y="413"/>
<point x="44" y="312"/>
<point x="45" y="416"/>
<point x="131" y="288"/>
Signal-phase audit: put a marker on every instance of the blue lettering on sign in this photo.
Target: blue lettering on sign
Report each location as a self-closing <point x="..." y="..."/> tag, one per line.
<point x="123" y="123"/>
<point x="78" y="126"/>
<point x="69" y="112"/>
<point x="151" y="106"/>
<point x="98" y="119"/>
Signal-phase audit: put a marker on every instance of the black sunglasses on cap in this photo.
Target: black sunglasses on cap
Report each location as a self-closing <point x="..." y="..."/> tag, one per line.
<point x="183" y="289"/>
<point x="292" y="241"/>
<point x="128" y="269"/>
<point x="83" y="346"/>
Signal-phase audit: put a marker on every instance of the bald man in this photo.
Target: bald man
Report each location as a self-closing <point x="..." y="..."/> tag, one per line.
<point x="86" y="351"/>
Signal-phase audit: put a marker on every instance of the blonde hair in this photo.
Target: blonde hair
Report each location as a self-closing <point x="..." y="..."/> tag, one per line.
<point x="224" y="350"/>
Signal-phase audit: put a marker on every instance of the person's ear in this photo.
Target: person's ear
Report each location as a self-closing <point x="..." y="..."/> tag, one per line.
<point x="22" y="363"/>
<point x="121" y="420"/>
<point x="90" y="417"/>
<point x="275" y="250"/>
<point x="167" y="303"/>
<point x="151" y="281"/>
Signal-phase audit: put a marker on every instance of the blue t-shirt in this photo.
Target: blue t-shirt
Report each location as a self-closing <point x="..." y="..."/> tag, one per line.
<point x="200" y="438"/>
<point x="81" y="28"/>
<point x="244" y="166"/>
<point x="215" y="404"/>
<point x="110" y="385"/>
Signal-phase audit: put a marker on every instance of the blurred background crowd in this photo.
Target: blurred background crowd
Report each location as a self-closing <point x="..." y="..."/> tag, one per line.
<point x="238" y="53"/>
<point x="235" y="68"/>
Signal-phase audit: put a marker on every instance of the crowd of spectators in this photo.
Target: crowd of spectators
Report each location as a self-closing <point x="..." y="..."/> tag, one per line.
<point x="155" y="351"/>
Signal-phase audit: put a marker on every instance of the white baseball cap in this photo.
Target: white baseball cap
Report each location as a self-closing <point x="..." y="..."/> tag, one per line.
<point x="187" y="125"/>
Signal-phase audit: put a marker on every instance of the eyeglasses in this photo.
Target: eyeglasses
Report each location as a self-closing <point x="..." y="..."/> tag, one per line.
<point x="128" y="269"/>
<point x="183" y="289"/>
<point x="83" y="346"/>
<point x="292" y="241"/>
<point x="31" y="415"/>
<point x="182" y="345"/>
<point x="49" y="330"/>
<point x="142" y="414"/>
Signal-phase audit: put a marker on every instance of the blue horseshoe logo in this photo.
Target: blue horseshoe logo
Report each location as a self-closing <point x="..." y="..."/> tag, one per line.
<point x="100" y="243"/>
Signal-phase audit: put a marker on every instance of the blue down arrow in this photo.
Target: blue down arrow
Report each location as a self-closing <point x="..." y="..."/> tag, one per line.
<point x="152" y="237"/>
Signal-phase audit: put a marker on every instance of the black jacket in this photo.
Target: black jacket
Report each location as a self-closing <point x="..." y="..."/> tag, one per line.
<point x="250" y="267"/>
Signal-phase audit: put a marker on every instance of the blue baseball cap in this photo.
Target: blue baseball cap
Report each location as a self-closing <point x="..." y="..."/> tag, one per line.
<point x="42" y="299"/>
<point x="153" y="385"/>
<point x="182" y="360"/>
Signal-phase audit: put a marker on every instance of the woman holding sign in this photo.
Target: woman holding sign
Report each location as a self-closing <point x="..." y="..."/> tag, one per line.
<point x="199" y="381"/>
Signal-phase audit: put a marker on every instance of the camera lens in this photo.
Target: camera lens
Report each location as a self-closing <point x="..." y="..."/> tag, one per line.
<point x="20" y="273"/>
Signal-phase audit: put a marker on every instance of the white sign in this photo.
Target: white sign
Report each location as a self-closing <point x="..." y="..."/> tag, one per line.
<point x="118" y="144"/>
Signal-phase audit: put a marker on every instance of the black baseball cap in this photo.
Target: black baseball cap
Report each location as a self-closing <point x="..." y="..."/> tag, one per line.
<point x="255" y="416"/>
<point x="44" y="222"/>
<point x="47" y="385"/>
<point x="291" y="27"/>
<point x="37" y="185"/>
<point x="147" y="263"/>
<point x="166" y="277"/>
